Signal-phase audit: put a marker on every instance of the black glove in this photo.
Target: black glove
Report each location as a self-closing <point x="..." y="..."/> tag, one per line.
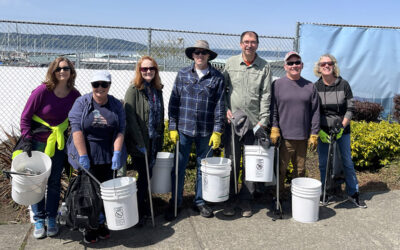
<point x="265" y="142"/>
<point x="261" y="135"/>
<point x="26" y="146"/>
<point x="259" y="132"/>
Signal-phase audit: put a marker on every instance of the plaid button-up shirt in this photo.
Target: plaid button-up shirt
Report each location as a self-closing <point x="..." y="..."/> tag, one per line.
<point x="196" y="106"/>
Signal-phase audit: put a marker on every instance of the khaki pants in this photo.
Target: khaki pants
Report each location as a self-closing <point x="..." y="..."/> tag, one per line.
<point x="294" y="151"/>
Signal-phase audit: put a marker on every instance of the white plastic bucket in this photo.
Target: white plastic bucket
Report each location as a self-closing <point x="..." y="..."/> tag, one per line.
<point x="28" y="190"/>
<point x="305" y="199"/>
<point x="215" y="178"/>
<point x="161" y="179"/>
<point x="120" y="202"/>
<point x="259" y="163"/>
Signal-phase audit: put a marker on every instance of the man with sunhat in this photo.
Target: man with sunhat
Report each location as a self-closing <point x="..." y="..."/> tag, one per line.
<point x="196" y="115"/>
<point x="248" y="83"/>
<point x="295" y="117"/>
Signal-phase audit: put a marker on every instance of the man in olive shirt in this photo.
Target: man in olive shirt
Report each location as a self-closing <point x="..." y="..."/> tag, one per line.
<point x="248" y="84"/>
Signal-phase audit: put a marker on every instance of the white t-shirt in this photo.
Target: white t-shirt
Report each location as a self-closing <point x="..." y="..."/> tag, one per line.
<point x="201" y="72"/>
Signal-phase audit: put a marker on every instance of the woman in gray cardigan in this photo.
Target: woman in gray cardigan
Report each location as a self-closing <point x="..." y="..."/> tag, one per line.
<point x="144" y="110"/>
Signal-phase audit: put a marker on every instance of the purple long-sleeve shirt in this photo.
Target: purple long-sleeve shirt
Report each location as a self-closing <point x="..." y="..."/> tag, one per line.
<point x="49" y="107"/>
<point x="295" y="108"/>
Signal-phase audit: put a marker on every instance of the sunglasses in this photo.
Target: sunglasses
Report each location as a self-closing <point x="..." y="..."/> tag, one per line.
<point x="145" y="69"/>
<point x="198" y="52"/>
<point x="104" y="85"/>
<point x="292" y="63"/>
<point x="58" y="69"/>
<point x="323" y="64"/>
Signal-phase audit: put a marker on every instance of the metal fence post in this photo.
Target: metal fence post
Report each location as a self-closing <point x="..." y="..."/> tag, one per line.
<point x="296" y="39"/>
<point x="149" y="42"/>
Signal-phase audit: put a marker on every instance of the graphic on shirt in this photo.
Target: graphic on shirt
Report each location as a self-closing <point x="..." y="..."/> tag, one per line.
<point x="98" y="119"/>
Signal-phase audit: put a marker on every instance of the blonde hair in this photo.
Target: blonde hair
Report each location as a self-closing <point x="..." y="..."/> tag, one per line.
<point x="138" y="80"/>
<point x="336" y="70"/>
<point x="51" y="79"/>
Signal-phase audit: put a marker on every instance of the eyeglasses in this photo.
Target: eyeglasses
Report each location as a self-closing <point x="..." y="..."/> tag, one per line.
<point x="104" y="85"/>
<point x="58" y="69"/>
<point x="198" y="52"/>
<point x="249" y="42"/>
<point x="323" y="64"/>
<point x="145" y="69"/>
<point x="291" y="63"/>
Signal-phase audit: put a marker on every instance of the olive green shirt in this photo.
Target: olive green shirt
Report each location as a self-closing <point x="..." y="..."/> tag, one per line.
<point x="248" y="88"/>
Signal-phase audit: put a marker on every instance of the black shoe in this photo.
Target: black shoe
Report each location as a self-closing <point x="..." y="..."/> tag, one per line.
<point x="103" y="232"/>
<point x="355" y="199"/>
<point x="170" y="213"/>
<point x="90" y="236"/>
<point x="205" y="210"/>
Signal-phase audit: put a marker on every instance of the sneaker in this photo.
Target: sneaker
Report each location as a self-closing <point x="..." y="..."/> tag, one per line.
<point x="355" y="199"/>
<point x="103" y="232"/>
<point x="39" y="230"/>
<point x="205" y="210"/>
<point x="246" y="208"/>
<point x="90" y="236"/>
<point x="52" y="228"/>
<point x="170" y="213"/>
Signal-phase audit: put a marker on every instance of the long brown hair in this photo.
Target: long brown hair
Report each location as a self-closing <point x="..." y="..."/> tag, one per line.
<point x="138" y="80"/>
<point x="51" y="79"/>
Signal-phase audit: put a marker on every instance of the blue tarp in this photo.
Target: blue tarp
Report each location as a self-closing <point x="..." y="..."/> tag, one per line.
<point x="369" y="58"/>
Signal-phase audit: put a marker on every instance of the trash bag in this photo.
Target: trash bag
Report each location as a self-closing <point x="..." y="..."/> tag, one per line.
<point x="84" y="203"/>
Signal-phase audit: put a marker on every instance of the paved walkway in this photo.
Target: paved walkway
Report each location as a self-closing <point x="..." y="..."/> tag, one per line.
<point x="340" y="226"/>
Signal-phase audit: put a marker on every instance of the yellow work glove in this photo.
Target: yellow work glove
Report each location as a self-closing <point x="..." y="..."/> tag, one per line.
<point x="174" y="136"/>
<point x="215" y="140"/>
<point x="313" y="142"/>
<point x="275" y="134"/>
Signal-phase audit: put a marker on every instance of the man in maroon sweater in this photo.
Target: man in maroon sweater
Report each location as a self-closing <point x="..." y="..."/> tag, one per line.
<point x="295" y="117"/>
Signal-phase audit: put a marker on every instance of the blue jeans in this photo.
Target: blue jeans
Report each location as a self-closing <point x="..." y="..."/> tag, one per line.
<point x="348" y="165"/>
<point x="185" y="146"/>
<point x="48" y="206"/>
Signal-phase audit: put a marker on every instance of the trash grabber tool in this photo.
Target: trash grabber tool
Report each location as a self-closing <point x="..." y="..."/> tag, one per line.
<point x="149" y="187"/>
<point x="176" y="178"/>
<point x="278" y="208"/>
<point x="233" y="156"/>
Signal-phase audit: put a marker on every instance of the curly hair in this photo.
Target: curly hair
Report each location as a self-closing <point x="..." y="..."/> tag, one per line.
<point x="51" y="79"/>
<point x="138" y="80"/>
<point x="336" y="70"/>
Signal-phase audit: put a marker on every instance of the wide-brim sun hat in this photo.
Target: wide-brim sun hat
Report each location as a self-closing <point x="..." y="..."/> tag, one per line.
<point x="200" y="44"/>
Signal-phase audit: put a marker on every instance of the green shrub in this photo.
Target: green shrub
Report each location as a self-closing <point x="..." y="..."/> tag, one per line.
<point x="374" y="144"/>
<point x="169" y="146"/>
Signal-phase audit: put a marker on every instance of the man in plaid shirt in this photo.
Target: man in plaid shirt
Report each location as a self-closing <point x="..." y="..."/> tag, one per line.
<point x="196" y="115"/>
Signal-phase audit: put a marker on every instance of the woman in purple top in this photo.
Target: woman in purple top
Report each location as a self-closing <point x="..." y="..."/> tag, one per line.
<point x="47" y="107"/>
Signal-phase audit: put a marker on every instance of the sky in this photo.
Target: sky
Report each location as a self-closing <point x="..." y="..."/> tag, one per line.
<point x="266" y="17"/>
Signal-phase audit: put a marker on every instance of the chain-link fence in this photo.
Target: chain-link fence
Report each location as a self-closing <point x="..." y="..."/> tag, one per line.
<point x="27" y="48"/>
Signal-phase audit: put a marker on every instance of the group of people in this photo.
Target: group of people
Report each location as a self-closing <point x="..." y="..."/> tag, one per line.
<point x="292" y="111"/>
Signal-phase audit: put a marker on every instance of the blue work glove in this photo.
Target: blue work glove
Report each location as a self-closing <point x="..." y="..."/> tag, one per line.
<point x="141" y="149"/>
<point x="84" y="161"/>
<point x="339" y="135"/>
<point x="116" y="160"/>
